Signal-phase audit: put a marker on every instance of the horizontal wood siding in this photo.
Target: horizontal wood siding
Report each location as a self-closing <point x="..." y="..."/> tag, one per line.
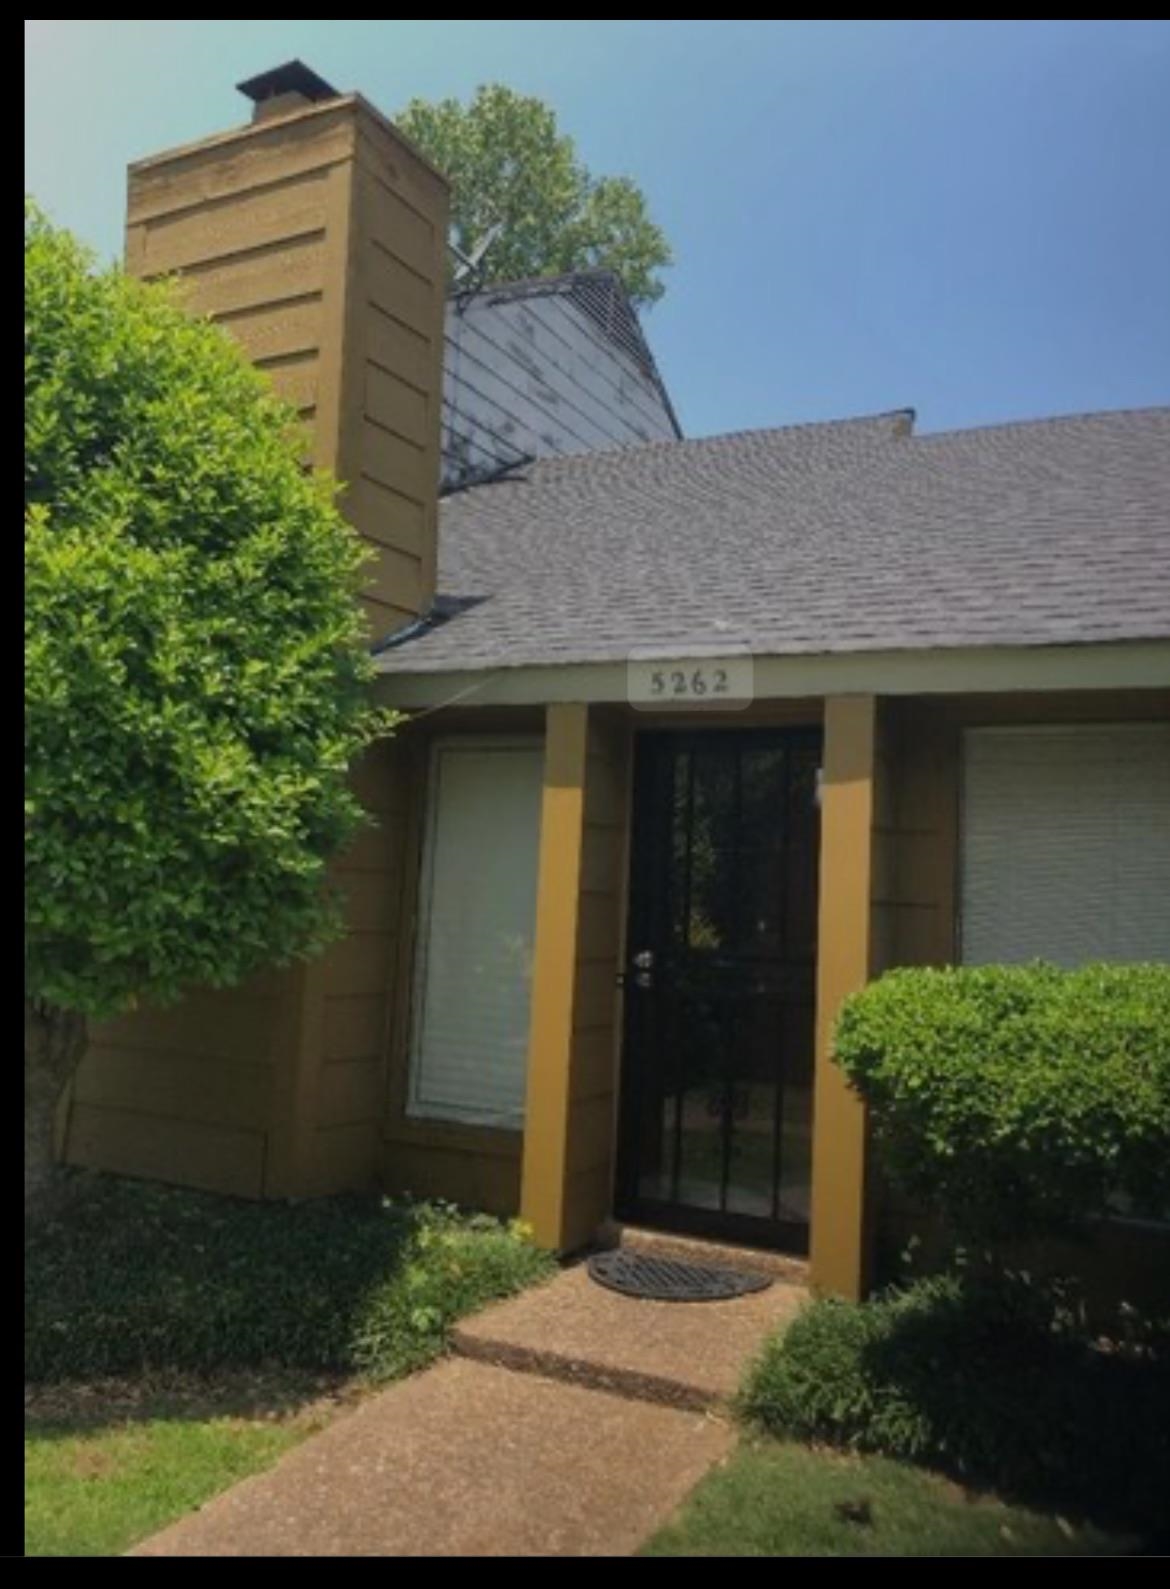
<point x="288" y="271"/>
<point x="391" y="393"/>
<point x="194" y="1081"/>
<point x="278" y="337"/>
<point x="245" y="226"/>
<point x="171" y="1086"/>
<point x="182" y="1152"/>
<point x="345" y="1096"/>
<point x="384" y="316"/>
<point x="466" y="1175"/>
<point x="234" y="223"/>
<point x="192" y="1094"/>
<point x="316" y="240"/>
<point x="244" y="160"/>
<point x="343" y="1158"/>
<point x="319" y="243"/>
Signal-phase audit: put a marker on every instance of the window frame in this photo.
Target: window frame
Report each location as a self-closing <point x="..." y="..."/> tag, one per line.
<point x="416" y="1108"/>
<point x="1143" y="1221"/>
<point x="1150" y="726"/>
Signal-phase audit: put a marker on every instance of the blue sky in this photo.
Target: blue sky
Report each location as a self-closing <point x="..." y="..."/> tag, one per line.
<point x="970" y="218"/>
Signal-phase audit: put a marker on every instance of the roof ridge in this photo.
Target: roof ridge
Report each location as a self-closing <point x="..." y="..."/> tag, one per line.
<point x="907" y="414"/>
<point x="535" y="286"/>
<point x="595" y="456"/>
<point x="1042" y="420"/>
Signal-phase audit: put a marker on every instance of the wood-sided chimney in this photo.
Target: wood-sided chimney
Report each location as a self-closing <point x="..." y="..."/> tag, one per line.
<point x="316" y="235"/>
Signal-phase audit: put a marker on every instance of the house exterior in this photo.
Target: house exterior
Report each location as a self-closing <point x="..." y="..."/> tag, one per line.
<point x="537" y="369"/>
<point x="701" y="735"/>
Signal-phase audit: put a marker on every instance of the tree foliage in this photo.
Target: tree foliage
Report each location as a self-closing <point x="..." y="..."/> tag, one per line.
<point x="196" y="683"/>
<point x="508" y="163"/>
<point x="1017" y="1100"/>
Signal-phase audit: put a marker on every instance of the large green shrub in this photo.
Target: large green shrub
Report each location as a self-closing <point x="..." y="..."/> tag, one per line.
<point x="983" y="1379"/>
<point x="137" y="1277"/>
<point x="195" y="683"/>
<point x="1017" y="1099"/>
<point x="195" y="673"/>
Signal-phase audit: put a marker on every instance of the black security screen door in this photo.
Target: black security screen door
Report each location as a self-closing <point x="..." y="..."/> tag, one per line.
<point x="720" y="984"/>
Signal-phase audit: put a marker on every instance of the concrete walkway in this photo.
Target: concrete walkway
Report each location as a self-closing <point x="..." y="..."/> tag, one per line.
<point x="681" y="1354"/>
<point x="573" y="1423"/>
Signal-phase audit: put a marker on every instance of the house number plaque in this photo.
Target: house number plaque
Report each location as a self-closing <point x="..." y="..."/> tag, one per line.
<point x="722" y="682"/>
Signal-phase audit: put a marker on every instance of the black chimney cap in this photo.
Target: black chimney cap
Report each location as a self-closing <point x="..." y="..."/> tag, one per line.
<point x="294" y="77"/>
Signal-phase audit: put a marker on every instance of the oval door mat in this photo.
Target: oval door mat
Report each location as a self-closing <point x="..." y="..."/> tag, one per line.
<point x="667" y="1280"/>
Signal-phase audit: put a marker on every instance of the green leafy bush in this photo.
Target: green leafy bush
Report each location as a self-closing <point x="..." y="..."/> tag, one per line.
<point x="137" y="1277"/>
<point x="985" y="1380"/>
<point x="195" y="673"/>
<point x="1017" y="1099"/>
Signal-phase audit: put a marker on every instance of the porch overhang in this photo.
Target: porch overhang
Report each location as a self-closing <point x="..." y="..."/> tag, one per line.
<point x="887" y="891"/>
<point x="1107" y="666"/>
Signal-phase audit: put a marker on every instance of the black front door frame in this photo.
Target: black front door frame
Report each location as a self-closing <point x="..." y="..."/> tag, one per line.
<point x="646" y="835"/>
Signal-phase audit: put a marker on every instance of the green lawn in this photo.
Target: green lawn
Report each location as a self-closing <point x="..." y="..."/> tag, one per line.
<point x="176" y="1341"/>
<point x="106" y="1466"/>
<point x="773" y="1499"/>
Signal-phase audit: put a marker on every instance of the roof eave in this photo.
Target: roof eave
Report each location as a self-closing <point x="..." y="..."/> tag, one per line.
<point x="1090" y="665"/>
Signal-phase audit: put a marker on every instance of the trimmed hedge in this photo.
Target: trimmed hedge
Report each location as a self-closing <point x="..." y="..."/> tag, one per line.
<point x="138" y="1277"/>
<point x="984" y="1381"/>
<point x="1017" y="1099"/>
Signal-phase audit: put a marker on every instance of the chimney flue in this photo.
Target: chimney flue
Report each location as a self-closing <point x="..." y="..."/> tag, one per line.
<point x="285" y="89"/>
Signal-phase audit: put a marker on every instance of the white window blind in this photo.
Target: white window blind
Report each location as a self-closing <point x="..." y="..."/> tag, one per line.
<point x="477" y="910"/>
<point x="1066" y="844"/>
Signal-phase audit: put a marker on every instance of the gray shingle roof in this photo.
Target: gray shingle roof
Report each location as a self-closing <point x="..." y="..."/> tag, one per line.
<point x="844" y="537"/>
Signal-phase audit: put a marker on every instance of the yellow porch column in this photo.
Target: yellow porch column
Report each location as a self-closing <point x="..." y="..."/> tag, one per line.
<point x="550" y="1043"/>
<point x="844" y="963"/>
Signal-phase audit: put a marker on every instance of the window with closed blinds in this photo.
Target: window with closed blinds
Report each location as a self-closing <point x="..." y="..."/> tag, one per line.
<point x="477" y="912"/>
<point x="1066" y="844"/>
